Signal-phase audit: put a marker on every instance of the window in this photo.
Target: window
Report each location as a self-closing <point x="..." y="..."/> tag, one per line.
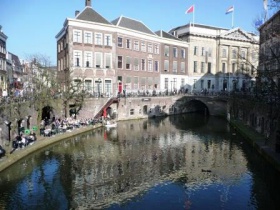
<point x="175" y="52"/>
<point x="88" y="85"/>
<point x="108" y="40"/>
<point x="166" y="83"/>
<point x="202" y="66"/>
<point x="88" y="59"/>
<point x="77" y="36"/>
<point x="195" y="50"/>
<point x="143" y="64"/>
<point x="135" y="83"/>
<point x="175" y="66"/>
<point x="224" y="53"/>
<point x="87" y="37"/>
<point x="143" y="46"/>
<point x="182" y="82"/>
<point x="243" y="54"/>
<point x="202" y="84"/>
<point x="120" y="42"/>
<point x="202" y="51"/>
<point x="128" y="44"/>
<point x="183" y="53"/>
<point x="233" y="67"/>
<point x="136" y="45"/>
<point x="156" y="66"/>
<point x="209" y="68"/>
<point x="131" y="111"/>
<point x="209" y="52"/>
<point x="98" y="39"/>
<point x="150" y="48"/>
<point x="127" y="65"/>
<point x="77" y="58"/>
<point x="120" y="62"/>
<point x="182" y="66"/>
<point x="108" y="60"/>
<point x="156" y="49"/>
<point x="166" y="50"/>
<point x="150" y="65"/>
<point x="234" y="54"/>
<point x="224" y="67"/>
<point x="166" y="65"/>
<point x="98" y="60"/>
<point x="136" y="64"/>
<point x="195" y="66"/>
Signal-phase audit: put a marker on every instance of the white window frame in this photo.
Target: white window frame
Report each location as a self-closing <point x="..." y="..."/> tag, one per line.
<point x="108" y="39"/>
<point x="77" y="54"/>
<point x="150" y="65"/>
<point x="156" y="48"/>
<point x="87" y="37"/>
<point x="120" y="44"/>
<point x="108" y="61"/>
<point x="175" y="66"/>
<point x="98" y="38"/>
<point x="143" y="46"/>
<point x="96" y="60"/>
<point x="77" y="36"/>
<point x="150" y="48"/>
<point x="183" y="53"/>
<point x="156" y="66"/>
<point x="136" y="45"/>
<point x="87" y="58"/>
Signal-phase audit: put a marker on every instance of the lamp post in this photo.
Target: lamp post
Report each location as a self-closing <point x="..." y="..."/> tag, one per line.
<point x="99" y="82"/>
<point x="19" y="125"/>
<point x="8" y="124"/>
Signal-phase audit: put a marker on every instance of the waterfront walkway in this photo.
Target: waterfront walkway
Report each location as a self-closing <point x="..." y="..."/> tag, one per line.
<point x="264" y="147"/>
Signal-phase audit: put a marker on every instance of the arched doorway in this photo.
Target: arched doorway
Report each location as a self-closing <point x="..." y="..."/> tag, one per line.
<point x="47" y="113"/>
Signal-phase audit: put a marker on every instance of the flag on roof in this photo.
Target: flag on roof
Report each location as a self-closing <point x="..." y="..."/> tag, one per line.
<point x="190" y="10"/>
<point x="230" y="9"/>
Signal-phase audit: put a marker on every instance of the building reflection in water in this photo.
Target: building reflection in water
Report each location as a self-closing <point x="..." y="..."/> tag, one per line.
<point x="113" y="165"/>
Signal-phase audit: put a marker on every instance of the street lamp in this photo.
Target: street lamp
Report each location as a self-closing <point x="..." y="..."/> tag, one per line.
<point x="99" y="82"/>
<point x="19" y="125"/>
<point x="8" y="124"/>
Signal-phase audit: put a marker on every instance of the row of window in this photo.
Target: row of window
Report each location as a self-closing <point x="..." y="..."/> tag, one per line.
<point x="88" y="37"/>
<point x="175" y="52"/>
<point x="174" y="66"/>
<point x="173" y="83"/>
<point x="138" y="45"/>
<point x="100" y="60"/>
<point x="243" y="54"/>
<point x="133" y="63"/>
<point x="204" y="52"/>
<point x="203" y="66"/>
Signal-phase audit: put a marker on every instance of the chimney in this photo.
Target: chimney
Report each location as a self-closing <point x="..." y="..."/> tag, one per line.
<point x="88" y="3"/>
<point x="77" y="12"/>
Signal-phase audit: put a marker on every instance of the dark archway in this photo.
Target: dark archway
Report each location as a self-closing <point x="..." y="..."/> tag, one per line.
<point x="46" y="113"/>
<point x="196" y="106"/>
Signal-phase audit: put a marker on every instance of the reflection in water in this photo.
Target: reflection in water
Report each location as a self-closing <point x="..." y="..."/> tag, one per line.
<point x="183" y="158"/>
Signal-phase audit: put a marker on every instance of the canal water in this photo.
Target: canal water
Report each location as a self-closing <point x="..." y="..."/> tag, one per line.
<point x="179" y="162"/>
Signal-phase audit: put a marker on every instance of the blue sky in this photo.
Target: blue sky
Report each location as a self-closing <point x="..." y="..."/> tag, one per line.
<point x="31" y="25"/>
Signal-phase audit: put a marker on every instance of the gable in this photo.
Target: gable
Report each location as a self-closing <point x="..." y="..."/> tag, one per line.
<point x="91" y="15"/>
<point x="237" y="34"/>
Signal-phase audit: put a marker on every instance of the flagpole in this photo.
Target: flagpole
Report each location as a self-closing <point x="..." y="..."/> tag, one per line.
<point x="232" y="17"/>
<point x="193" y="14"/>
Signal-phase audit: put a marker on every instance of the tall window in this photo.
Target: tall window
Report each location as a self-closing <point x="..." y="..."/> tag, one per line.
<point x="77" y="58"/>
<point x="120" y="62"/>
<point x="234" y="55"/>
<point x="143" y="46"/>
<point x="98" y="60"/>
<point x="136" y="64"/>
<point x="202" y="51"/>
<point x="202" y="66"/>
<point x="166" y="83"/>
<point x="77" y="36"/>
<point x="128" y="43"/>
<point x="120" y="42"/>
<point x="87" y="37"/>
<point x="209" y="67"/>
<point x="108" y="60"/>
<point x="224" y="53"/>
<point x="183" y="53"/>
<point x="156" y="49"/>
<point x="136" y="45"/>
<point x="166" y="65"/>
<point x="108" y="40"/>
<point x="224" y="67"/>
<point x="150" y="48"/>
<point x="202" y="84"/>
<point x="195" y="50"/>
<point x="182" y="82"/>
<point x="128" y="63"/>
<point x="175" y="66"/>
<point x="150" y="65"/>
<point x="88" y="59"/>
<point x="156" y="66"/>
<point x="243" y="54"/>
<point x="166" y="50"/>
<point x="98" y="39"/>
<point x="195" y="66"/>
<point x="182" y="66"/>
<point x="175" y="52"/>
<point x="233" y="67"/>
<point x="194" y="83"/>
<point x="143" y="64"/>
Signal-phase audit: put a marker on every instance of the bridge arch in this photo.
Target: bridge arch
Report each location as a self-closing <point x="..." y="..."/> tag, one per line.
<point x="197" y="106"/>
